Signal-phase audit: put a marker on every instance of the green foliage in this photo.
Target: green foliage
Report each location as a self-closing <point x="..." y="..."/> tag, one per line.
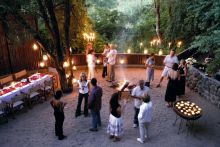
<point x="200" y="27"/>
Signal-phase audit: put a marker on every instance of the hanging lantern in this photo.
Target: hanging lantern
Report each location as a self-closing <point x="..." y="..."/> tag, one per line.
<point x="74" y="67"/>
<point x="35" y="47"/>
<point x="160" y="52"/>
<point x="45" y="57"/>
<point x="42" y="64"/>
<point x="65" y="64"/>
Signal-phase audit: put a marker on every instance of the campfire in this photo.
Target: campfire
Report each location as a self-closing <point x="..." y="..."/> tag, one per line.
<point x="124" y="88"/>
<point x="122" y="85"/>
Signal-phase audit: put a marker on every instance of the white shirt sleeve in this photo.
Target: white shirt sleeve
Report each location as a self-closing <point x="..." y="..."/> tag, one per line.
<point x="165" y="59"/>
<point x="134" y="91"/>
<point x="141" y="112"/>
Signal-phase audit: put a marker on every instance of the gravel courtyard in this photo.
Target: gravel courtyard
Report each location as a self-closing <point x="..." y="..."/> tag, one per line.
<point x="36" y="127"/>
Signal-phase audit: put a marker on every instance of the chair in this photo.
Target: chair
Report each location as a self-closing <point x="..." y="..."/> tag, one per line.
<point x="48" y="88"/>
<point x="3" y="114"/>
<point x="33" y="96"/>
<point x="21" y="74"/>
<point x="17" y="104"/>
<point x="6" y="80"/>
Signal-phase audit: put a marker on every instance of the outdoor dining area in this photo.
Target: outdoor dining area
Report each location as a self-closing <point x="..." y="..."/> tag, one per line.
<point x="21" y="91"/>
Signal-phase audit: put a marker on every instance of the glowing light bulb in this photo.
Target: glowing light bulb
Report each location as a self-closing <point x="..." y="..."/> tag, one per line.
<point x="45" y="57"/>
<point x="98" y="61"/>
<point x="74" y="80"/>
<point x="74" y="67"/>
<point x="179" y="43"/>
<point x="65" y="64"/>
<point x="35" y="47"/>
<point x="42" y="64"/>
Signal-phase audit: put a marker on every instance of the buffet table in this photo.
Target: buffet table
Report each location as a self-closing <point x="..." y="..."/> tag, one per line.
<point x="23" y="86"/>
<point x="186" y="111"/>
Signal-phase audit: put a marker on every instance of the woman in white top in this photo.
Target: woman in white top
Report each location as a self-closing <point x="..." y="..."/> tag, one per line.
<point x="91" y="64"/>
<point x="83" y="93"/>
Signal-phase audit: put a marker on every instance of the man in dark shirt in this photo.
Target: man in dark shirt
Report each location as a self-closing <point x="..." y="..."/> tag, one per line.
<point x="95" y="103"/>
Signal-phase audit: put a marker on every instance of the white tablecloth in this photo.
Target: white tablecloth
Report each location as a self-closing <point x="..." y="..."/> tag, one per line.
<point x="25" y="89"/>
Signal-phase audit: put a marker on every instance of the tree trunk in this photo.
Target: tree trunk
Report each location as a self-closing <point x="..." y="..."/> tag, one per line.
<point x="67" y="37"/>
<point x="157" y="10"/>
<point x="64" y="81"/>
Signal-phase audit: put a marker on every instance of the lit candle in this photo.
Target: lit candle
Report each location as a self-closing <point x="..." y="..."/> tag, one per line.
<point x="160" y="52"/>
<point x="158" y="41"/>
<point x="169" y="44"/>
<point x="122" y="61"/>
<point x="13" y="84"/>
<point x="145" y="51"/>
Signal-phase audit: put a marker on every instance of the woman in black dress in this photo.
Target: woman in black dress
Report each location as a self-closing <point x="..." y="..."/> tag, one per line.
<point x="58" y="107"/>
<point x="173" y="76"/>
<point x="182" y="79"/>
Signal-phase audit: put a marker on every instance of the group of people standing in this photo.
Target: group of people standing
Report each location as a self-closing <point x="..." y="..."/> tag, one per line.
<point x="109" y="59"/>
<point x="175" y="73"/>
<point x="143" y="106"/>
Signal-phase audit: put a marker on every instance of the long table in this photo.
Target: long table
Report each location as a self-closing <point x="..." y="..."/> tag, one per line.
<point x="23" y="86"/>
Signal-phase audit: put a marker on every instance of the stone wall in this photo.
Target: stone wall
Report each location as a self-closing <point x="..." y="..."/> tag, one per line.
<point x="206" y="86"/>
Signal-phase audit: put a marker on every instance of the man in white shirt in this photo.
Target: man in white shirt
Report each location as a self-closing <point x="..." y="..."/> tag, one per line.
<point x="168" y="62"/>
<point x="111" y="55"/>
<point x="144" y="118"/>
<point x="137" y="93"/>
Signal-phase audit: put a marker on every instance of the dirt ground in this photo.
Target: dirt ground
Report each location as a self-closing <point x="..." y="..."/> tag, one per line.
<point x="36" y="127"/>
